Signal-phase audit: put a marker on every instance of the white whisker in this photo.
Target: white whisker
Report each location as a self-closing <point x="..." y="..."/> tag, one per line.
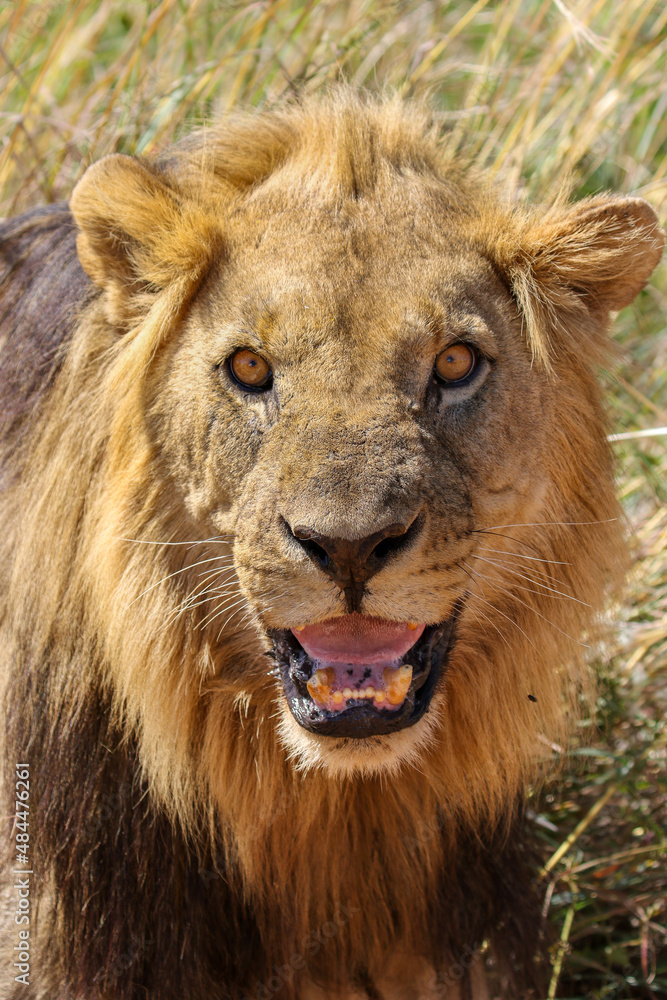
<point x="498" y="611"/>
<point x="548" y="524"/>
<point x="477" y="611"/>
<point x="195" y="541"/>
<point x="527" y="606"/>
<point x="536" y="575"/>
<point x="171" y="576"/>
<point x="520" y="555"/>
<point x="530" y="579"/>
<point x="220" y="611"/>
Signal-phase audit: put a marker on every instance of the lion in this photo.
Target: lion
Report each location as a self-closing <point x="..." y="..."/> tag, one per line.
<point x="308" y="510"/>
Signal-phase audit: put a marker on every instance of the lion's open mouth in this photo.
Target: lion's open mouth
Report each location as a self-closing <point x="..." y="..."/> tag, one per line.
<point x="357" y="676"/>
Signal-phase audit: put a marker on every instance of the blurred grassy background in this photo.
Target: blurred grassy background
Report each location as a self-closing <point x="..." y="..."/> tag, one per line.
<point x="538" y="89"/>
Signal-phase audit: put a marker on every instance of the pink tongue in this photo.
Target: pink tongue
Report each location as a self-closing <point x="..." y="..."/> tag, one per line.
<point x="358" y="639"/>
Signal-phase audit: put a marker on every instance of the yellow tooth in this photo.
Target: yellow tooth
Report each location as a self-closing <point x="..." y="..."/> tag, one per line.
<point x="413" y="626"/>
<point x="360" y="693"/>
<point x="299" y="628"/>
<point x="347" y="692"/>
<point x="379" y="695"/>
<point x="397" y="681"/>
<point x="337" y="697"/>
<point x="370" y="692"/>
<point x="320" y="683"/>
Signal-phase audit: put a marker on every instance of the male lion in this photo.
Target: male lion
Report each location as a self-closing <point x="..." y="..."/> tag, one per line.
<point x="307" y="506"/>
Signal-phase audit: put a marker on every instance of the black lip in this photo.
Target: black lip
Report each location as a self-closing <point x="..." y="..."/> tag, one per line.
<point x="429" y="658"/>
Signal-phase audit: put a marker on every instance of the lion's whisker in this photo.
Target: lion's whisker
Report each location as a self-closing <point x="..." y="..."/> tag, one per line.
<point x="177" y="572"/>
<point x="525" y="605"/>
<point x="205" y="590"/>
<point x="191" y="603"/>
<point x="520" y="555"/>
<point x="536" y="576"/>
<point x="227" y="621"/>
<point x="230" y="587"/>
<point x="511" y="538"/>
<point x="497" y="610"/>
<point x="493" y="607"/>
<point x="519" y="586"/>
<point x="547" y="524"/>
<point x="194" y="541"/>
<point x="508" y="569"/>
<point x="478" y="611"/>
<point x="204" y="587"/>
<point x="533" y="573"/>
<point x="206" y="574"/>
<point x="220" y="611"/>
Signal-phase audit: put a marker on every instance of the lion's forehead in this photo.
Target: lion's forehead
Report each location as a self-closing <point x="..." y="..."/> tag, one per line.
<point x="354" y="297"/>
<point x="380" y="244"/>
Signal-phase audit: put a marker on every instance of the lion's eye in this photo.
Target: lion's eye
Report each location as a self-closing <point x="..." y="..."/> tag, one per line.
<point x="250" y="370"/>
<point x="455" y="363"/>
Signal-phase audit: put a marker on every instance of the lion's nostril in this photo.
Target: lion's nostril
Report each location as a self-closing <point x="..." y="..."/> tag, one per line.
<point x="315" y="550"/>
<point x="394" y="542"/>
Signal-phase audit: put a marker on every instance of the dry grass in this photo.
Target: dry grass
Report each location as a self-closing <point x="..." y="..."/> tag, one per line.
<point x="540" y="89"/>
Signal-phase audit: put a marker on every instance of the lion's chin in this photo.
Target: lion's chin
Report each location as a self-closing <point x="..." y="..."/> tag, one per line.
<point x="346" y="758"/>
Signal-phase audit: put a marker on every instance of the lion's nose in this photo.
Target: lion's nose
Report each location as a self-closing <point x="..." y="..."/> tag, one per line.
<point x="350" y="564"/>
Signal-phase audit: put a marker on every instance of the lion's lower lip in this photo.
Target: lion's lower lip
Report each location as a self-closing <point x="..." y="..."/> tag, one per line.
<point x="362" y="718"/>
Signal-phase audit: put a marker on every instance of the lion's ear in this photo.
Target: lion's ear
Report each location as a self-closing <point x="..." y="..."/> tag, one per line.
<point x="138" y="233"/>
<point x="584" y="261"/>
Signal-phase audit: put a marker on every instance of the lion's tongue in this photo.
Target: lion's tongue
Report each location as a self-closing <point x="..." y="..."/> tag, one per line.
<point x="357" y="657"/>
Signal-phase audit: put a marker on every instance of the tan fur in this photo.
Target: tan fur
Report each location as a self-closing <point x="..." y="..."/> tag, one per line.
<point x="334" y="239"/>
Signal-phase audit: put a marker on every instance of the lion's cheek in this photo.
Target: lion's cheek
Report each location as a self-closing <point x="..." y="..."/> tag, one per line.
<point x="499" y="452"/>
<point x="208" y="452"/>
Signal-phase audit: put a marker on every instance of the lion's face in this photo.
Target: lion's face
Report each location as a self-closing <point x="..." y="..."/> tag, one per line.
<point x="354" y="480"/>
<point x="350" y="390"/>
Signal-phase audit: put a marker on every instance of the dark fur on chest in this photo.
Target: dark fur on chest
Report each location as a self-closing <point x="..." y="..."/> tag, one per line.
<point x="139" y="912"/>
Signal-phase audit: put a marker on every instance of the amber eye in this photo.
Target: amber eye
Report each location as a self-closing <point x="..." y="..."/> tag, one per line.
<point x="250" y="370"/>
<point x="455" y="363"/>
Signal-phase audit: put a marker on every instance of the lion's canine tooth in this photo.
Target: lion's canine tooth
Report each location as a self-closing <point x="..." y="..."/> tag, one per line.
<point x="299" y="628"/>
<point x="413" y="626"/>
<point x="397" y="680"/>
<point x="319" y="685"/>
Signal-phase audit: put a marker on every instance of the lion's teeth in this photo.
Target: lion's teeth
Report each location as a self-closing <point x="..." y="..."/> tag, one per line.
<point x="413" y="626"/>
<point x="320" y="683"/>
<point x="397" y="681"/>
<point x="396" y="684"/>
